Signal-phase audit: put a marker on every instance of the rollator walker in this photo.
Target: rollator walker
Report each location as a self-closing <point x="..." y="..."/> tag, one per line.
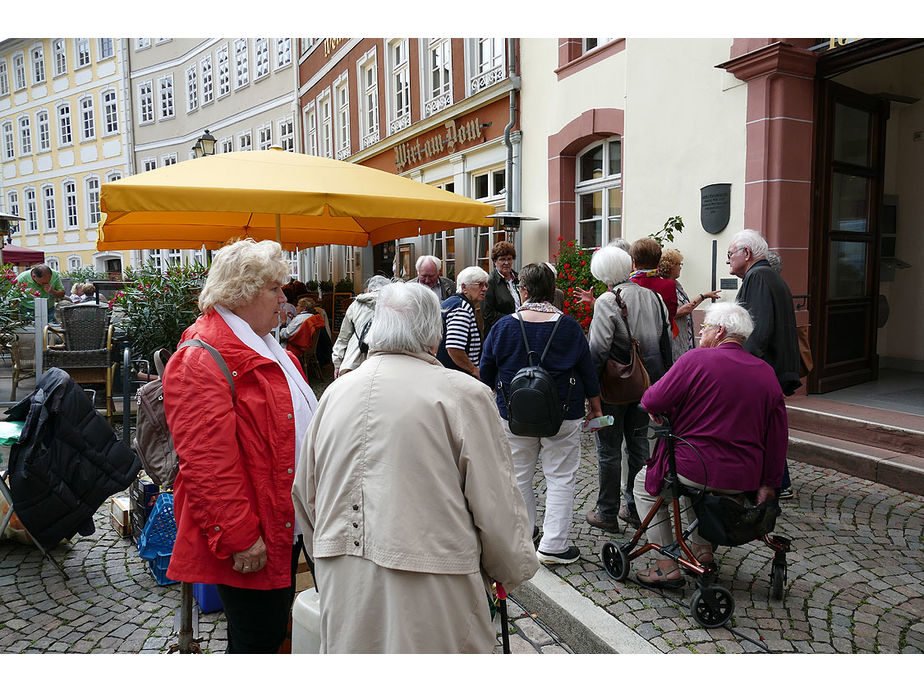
<point x="720" y="520"/>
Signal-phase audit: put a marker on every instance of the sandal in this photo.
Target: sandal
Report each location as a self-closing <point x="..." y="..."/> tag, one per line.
<point x="704" y="555"/>
<point x="655" y="578"/>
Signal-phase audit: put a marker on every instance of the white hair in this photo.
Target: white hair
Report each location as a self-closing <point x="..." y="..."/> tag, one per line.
<point x="406" y="318"/>
<point x="376" y="282"/>
<point x="428" y="258"/>
<point x="611" y="265"/>
<point x="240" y="271"/>
<point x="733" y="317"/>
<point x="753" y="241"/>
<point x="621" y="243"/>
<point x="470" y="275"/>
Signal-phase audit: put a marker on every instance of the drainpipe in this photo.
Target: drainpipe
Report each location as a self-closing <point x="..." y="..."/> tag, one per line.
<point x="509" y="175"/>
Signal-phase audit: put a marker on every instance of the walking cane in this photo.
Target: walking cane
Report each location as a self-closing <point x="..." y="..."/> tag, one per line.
<point x="502" y="606"/>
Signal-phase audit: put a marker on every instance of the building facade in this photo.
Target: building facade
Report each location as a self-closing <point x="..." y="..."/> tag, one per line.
<point x="65" y="131"/>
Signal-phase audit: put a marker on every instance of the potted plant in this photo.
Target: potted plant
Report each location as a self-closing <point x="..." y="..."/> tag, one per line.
<point x="312" y="285"/>
<point x="326" y="286"/>
<point x="344" y="286"/>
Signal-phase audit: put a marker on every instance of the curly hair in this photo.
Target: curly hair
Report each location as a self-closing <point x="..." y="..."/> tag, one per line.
<point x="239" y="271"/>
<point x="502" y="249"/>
<point x="670" y="258"/>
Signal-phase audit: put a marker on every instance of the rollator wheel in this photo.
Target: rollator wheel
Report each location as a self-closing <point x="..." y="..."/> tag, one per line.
<point x="777" y="580"/>
<point x="615" y="561"/>
<point x="712" y="606"/>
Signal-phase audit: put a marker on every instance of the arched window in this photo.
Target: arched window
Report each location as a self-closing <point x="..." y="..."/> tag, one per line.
<point x="598" y="193"/>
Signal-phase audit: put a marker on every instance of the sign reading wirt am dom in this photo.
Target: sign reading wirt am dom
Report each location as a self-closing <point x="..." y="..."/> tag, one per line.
<point x="435" y="143"/>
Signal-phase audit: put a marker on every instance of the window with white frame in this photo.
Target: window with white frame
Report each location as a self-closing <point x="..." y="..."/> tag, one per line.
<point x="74" y="263"/>
<point x="149" y="164"/>
<point x="598" y="193"/>
<point x="588" y="44"/>
<point x="307" y="43"/>
<point x="4" y="79"/>
<point x="291" y="258"/>
<point x="92" y="184"/>
<point x="105" y="48"/>
<point x="82" y="50"/>
<point x="156" y="260"/>
<point x="342" y="95"/>
<point x="261" y="58"/>
<point x="349" y="261"/>
<point x="70" y="204"/>
<point x="205" y="66"/>
<point x="12" y="198"/>
<point x="369" y="100"/>
<point x="309" y="117"/>
<point x="264" y="136"/>
<point x="283" y="52"/>
<point x="162" y="40"/>
<point x="241" y="63"/>
<point x="9" y="141"/>
<point x="87" y="118"/>
<point x="444" y="242"/>
<point x="113" y="176"/>
<point x="48" y="205"/>
<point x="192" y="88"/>
<point x="399" y="86"/>
<point x="286" y="134"/>
<point x="31" y="211"/>
<point x="142" y="43"/>
<point x="224" y="72"/>
<point x="174" y="256"/>
<point x="43" y="124"/>
<point x="199" y="256"/>
<point x="326" y="131"/>
<point x="38" y="64"/>
<point x="486" y="63"/>
<point x="25" y="135"/>
<point x="227" y="145"/>
<point x="59" y="48"/>
<point x="52" y="263"/>
<point x="65" y="136"/>
<point x="244" y="141"/>
<point x="19" y="71"/>
<point x="146" y="102"/>
<point x="489" y="187"/>
<point x="110" y="112"/>
<point x="168" y="159"/>
<point x="166" y="96"/>
<point x="437" y="75"/>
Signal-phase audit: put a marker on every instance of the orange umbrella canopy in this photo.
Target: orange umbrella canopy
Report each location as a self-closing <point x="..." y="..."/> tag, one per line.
<point x="299" y="200"/>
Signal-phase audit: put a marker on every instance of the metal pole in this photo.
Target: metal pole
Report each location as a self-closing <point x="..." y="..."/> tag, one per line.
<point x="126" y="394"/>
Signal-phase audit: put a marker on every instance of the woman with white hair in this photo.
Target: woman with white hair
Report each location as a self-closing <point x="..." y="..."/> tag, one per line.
<point x="728" y="406"/>
<point x="350" y="349"/>
<point x="460" y="348"/>
<point x="608" y="337"/>
<point x="238" y="451"/>
<point x="407" y="494"/>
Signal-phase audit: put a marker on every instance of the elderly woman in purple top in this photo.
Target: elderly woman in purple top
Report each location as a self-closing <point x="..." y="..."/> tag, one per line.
<point x="729" y="405"/>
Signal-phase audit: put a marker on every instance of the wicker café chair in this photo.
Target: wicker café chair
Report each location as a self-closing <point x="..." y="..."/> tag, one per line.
<point x="82" y="346"/>
<point x="22" y="353"/>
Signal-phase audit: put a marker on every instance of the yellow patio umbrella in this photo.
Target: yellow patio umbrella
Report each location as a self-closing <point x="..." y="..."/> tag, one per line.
<point x="296" y="199"/>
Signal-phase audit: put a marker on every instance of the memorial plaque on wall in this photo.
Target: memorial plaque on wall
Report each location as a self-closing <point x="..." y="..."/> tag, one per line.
<point x="715" y="206"/>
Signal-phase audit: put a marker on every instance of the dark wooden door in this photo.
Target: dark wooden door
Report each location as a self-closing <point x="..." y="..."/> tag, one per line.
<point x="846" y="238"/>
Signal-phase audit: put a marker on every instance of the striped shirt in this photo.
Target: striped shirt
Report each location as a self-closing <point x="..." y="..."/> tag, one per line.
<point x="462" y="331"/>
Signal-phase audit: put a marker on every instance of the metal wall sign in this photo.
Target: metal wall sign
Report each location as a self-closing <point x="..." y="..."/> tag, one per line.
<point x="715" y="206"/>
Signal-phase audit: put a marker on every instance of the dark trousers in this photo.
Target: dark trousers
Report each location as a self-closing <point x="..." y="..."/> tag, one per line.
<point x="630" y="425"/>
<point x="258" y="620"/>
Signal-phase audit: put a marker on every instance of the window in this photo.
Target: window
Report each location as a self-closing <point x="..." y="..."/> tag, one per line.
<point x="92" y="200"/>
<point x="244" y="142"/>
<point x="261" y="58"/>
<point x="141" y="44"/>
<point x="70" y="204"/>
<point x="110" y="112"/>
<point x="146" y="102"/>
<point x="489" y="187"/>
<point x="205" y="66"/>
<point x="291" y="258"/>
<point x="4" y="79"/>
<point x="38" y="64"/>
<point x="73" y="263"/>
<point x="369" y="104"/>
<point x="13" y="198"/>
<point x="166" y="96"/>
<point x="437" y="75"/>
<point x="224" y="73"/>
<point x="192" y="88"/>
<point x="64" y="125"/>
<point x="168" y="159"/>
<point x="444" y="242"/>
<point x="227" y="145"/>
<point x="588" y="44"/>
<point x="48" y="205"/>
<point x="283" y="52"/>
<point x="399" y="86"/>
<point x="9" y="141"/>
<point x="173" y="256"/>
<point x="287" y="134"/>
<point x="105" y="48"/>
<point x="113" y="176"/>
<point x="31" y="211"/>
<point x="486" y="63"/>
<point x="19" y="72"/>
<point x="44" y="131"/>
<point x="264" y="136"/>
<point x="156" y="260"/>
<point x="25" y="135"/>
<point x="87" y="120"/>
<point x="598" y="194"/>
<point x="52" y="262"/>
<point x="149" y="164"/>
<point x="60" y="50"/>
<point x="326" y="133"/>
<point x="82" y="49"/>
<point x="241" y="67"/>
<point x="342" y="93"/>
<point x="311" y="131"/>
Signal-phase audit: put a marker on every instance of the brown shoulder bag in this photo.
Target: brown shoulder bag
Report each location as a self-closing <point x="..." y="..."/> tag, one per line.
<point x="624" y="383"/>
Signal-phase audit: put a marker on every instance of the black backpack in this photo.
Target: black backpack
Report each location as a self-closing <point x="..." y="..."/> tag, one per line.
<point x="533" y="406"/>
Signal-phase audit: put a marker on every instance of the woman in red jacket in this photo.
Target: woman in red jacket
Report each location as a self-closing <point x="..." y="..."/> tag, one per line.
<point x="232" y="495"/>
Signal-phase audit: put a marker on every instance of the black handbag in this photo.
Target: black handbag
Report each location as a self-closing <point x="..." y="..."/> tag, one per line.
<point x="624" y="383"/>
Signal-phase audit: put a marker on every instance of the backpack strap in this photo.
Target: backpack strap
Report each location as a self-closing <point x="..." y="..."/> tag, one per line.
<point x="571" y="380"/>
<point x="215" y="355"/>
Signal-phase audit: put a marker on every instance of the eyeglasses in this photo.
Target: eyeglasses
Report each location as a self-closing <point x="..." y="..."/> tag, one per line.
<point x="704" y="325"/>
<point x="732" y="252"/>
<point x="505" y="259"/>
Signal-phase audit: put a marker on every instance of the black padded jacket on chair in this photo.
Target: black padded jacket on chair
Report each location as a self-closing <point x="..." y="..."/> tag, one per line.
<point x="67" y="462"/>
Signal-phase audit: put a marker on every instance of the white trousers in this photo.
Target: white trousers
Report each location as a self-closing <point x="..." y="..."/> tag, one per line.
<point x="560" y="456"/>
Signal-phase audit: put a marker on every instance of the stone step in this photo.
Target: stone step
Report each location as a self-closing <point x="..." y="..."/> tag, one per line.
<point x="899" y="470"/>
<point x="880" y="428"/>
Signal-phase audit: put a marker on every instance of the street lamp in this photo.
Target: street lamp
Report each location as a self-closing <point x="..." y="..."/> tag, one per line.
<point x="204" y="146"/>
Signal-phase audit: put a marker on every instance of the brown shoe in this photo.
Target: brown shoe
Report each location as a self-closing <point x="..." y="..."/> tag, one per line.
<point x="594" y="520"/>
<point x="630" y="516"/>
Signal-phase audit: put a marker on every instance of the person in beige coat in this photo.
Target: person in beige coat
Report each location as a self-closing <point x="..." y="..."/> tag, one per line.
<point x="406" y="495"/>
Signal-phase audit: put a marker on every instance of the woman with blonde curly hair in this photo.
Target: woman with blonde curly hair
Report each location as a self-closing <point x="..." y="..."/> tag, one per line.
<point x="669" y="268"/>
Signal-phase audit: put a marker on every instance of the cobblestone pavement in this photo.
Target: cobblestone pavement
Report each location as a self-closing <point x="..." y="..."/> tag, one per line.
<point x="855" y="579"/>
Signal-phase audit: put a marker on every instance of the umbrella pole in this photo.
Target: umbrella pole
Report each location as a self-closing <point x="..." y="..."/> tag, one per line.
<point x="278" y="231"/>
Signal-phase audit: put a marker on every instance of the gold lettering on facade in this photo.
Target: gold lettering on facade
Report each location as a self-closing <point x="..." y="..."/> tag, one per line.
<point x="410" y="153"/>
<point x="330" y="44"/>
<point x="838" y="42"/>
